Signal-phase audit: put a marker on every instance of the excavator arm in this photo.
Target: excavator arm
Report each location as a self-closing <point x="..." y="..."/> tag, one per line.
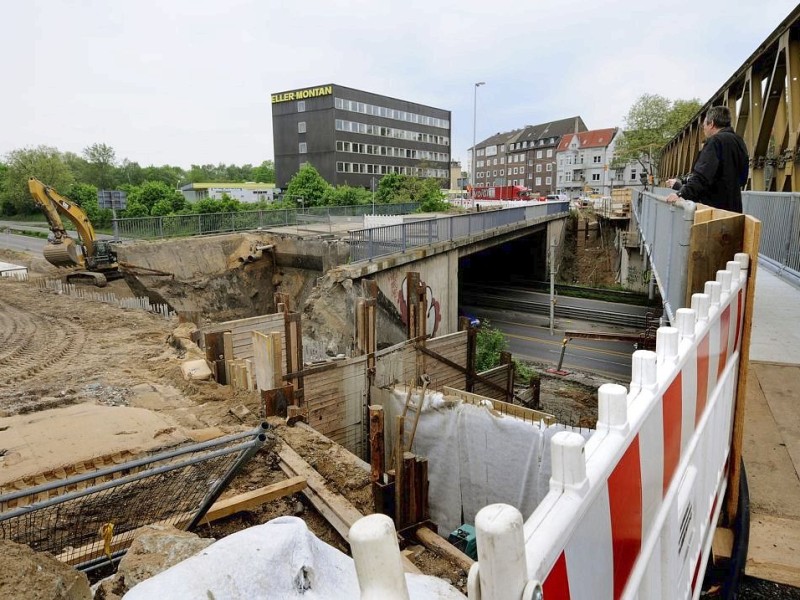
<point x="94" y="259"/>
<point x="62" y="250"/>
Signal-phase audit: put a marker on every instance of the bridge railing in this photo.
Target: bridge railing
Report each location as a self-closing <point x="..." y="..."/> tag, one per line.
<point x="631" y="512"/>
<point x="367" y="244"/>
<point x="208" y="223"/>
<point x="779" y="213"/>
<point x="665" y="233"/>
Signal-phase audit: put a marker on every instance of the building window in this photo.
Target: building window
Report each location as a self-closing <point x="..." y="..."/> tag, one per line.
<point x="301" y="127"/>
<point x="302" y="148"/>
<point x="549" y="167"/>
<point x="538" y="154"/>
<point x="596" y="159"/>
<point x="502" y="172"/>
<point x="548" y="180"/>
<point x="595" y="176"/>
<point x="538" y="181"/>
<point x="301" y="106"/>
<point x="549" y="153"/>
<point x="538" y="168"/>
<point x="633" y="174"/>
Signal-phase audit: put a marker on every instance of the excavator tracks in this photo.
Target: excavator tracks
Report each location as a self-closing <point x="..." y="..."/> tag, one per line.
<point x="28" y="345"/>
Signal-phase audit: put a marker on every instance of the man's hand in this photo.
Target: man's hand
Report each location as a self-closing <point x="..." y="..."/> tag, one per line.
<point x="672" y="198"/>
<point x="671" y="182"/>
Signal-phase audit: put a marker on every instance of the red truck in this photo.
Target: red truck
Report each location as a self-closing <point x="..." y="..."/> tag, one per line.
<point x="502" y="192"/>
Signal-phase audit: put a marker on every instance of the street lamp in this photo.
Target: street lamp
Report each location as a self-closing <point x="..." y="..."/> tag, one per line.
<point x="474" y="130"/>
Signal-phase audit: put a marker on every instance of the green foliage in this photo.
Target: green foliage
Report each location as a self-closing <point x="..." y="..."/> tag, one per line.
<point x="265" y="172"/>
<point x="85" y="196"/>
<point x="490" y="343"/>
<point x="101" y="166"/>
<point x="135" y="209"/>
<point x="395" y="188"/>
<point x="44" y="163"/>
<point x="151" y="192"/>
<point x="651" y="122"/>
<point x="309" y="185"/>
<point x="344" y="195"/>
<point x="523" y="372"/>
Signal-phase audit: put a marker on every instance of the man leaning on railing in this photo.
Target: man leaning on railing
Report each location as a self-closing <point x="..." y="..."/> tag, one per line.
<point x="720" y="170"/>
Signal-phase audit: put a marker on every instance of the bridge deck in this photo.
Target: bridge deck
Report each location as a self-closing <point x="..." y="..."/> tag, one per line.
<point x="772" y="432"/>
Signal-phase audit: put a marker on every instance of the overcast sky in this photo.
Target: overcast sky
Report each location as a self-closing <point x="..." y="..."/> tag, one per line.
<point x="184" y="82"/>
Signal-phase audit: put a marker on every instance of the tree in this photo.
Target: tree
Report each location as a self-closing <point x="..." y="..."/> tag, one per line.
<point x="307" y="184"/>
<point x="101" y="171"/>
<point x="344" y="195"/>
<point x="489" y="344"/>
<point x="651" y="122"/>
<point x="45" y="164"/>
<point x="151" y="192"/>
<point x="265" y="172"/>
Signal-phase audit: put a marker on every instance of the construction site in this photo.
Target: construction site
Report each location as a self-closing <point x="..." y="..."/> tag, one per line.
<point x="219" y="336"/>
<point x="232" y="382"/>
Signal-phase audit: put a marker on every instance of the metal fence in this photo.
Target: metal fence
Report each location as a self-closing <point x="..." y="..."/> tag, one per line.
<point x="90" y="519"/>
<point x="367" y="244"/>
<point x="665" y="231"/>
<point x="201" y="224"/>
<point x="779" y="213"/>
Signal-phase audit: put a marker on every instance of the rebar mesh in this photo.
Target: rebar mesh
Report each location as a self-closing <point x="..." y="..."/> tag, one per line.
<point x="69" y="517"/>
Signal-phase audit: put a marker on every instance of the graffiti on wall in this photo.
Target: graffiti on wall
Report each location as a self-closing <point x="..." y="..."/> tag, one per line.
<point x="398" y="290"/>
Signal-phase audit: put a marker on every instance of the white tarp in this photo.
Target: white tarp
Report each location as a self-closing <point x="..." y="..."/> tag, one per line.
<point x="279" y="560"/>
<point x="476" y="456"/>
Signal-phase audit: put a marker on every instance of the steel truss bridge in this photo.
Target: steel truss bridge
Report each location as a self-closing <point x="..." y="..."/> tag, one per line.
<point x="764" y="99"/>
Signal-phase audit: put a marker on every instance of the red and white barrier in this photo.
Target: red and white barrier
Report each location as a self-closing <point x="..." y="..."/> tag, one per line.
<point x="632" y="511"/>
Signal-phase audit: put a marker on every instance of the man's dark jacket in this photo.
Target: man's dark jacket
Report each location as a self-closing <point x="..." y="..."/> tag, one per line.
<point x="719" y="173"/>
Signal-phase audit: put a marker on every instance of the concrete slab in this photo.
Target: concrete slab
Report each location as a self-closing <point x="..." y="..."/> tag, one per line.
<point x="772" y="432"/>
<point x="776" y="328"/>
<point x="771" y="473"/>
<point x="31" y="445"/>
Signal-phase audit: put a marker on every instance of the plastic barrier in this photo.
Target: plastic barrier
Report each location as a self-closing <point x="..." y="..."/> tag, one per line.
<point x="632" y="511"/>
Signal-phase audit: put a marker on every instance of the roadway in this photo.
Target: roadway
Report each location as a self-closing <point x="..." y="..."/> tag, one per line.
<point x="21" y="243"/>
<point x="529" y="339"/>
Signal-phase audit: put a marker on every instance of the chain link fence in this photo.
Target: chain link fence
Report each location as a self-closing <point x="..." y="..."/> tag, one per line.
<point x="89" y="520"/>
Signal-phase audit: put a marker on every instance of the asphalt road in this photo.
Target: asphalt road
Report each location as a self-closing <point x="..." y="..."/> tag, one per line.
<point x="529" y="338"/>
<point x="21" y="243"/>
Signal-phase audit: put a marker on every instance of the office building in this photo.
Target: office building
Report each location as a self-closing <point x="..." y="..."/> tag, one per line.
<point x="354" y="137"/>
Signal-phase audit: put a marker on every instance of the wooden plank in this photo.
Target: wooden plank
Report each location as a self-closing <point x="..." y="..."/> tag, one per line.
<point x="711" y="245"/>
<point x="774" y="549"/>
<point x="248" y="322"/>
<point x="334" y="502"/>
<point x="443" y="548"/>
<point x="750" y="239"/>
<point x="249" y="500"/>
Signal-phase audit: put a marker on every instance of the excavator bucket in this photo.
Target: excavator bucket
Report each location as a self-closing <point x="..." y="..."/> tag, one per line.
<point x="64" y="253"/>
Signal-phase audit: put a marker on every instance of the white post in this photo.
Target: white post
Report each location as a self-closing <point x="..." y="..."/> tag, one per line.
<point x="474" y="133"/>
<point x="552" y="285"/>
<point x="502" y="569"/>
<point x="376" y="553"/>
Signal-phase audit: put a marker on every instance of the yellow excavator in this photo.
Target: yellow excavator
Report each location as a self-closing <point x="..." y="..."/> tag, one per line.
<point x="88" y="257"/>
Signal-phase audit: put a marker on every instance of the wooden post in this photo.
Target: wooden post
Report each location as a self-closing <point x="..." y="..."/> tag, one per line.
<point x="376" y="442"/>
<point x="472" y="349"/>
<point x="422" y="503"/>
<point x="277" y="401"/>
<point x="370" y="319"/>
<point x="505" y="359"/>
<point x="294" y="352"/>
<point x="412" y="304"/>
<point x="361" y="342"/>
<point x="215" y="355"/>
<point x="399" y="476"/>
<point x="410" y="494"/>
